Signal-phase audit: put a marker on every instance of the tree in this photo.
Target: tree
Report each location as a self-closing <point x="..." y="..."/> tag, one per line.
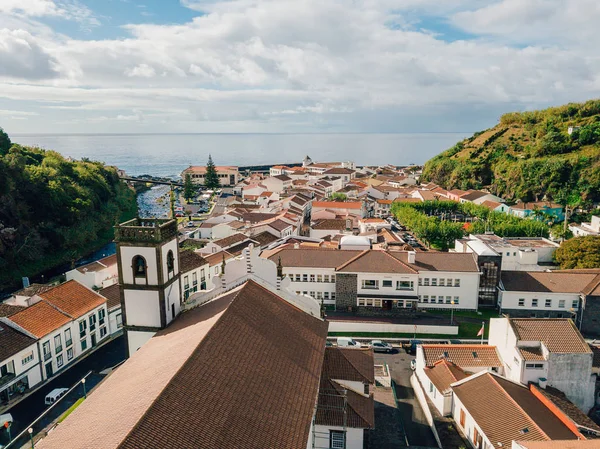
<point x="211" y="179"/>
<point x="579" y="252"/>
<point x="337" y="196"/>
<point x="5" y="142"/>
<point x="189" y="190"/>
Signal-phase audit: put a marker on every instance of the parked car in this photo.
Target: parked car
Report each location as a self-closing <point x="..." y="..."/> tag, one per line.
<point x="346" y="342"/>
<point x="454" y="342"/>
<point x="190" y="224"/>
<point x="413" y="364"/>
<point x="412" y="347"/>
<point x="55" y="395"/>
<point x="381" y="346"/>
<point x="6" y="418"/>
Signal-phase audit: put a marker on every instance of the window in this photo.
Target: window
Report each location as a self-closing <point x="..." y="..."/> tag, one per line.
<point x="431" y="387"/>
<point x="139" y="266"/>
<point x="319" y="278"/>
<point x="456" y="300"/>
<point x="337" y="439"/>
<point x="312" y="294"/>
<point x="534" y="365"/>
<point x="521" y="302"/>
<point x="370" y="284"/>
<point x="449" y="282"/>
<point x="369" y="302"/>
<point x="405" y="285"/>
<point x="561" y="303"/>
<point x="462" y="418"/>
<point x="93" y="320"/>
<point x="83" y="344"/>
<point x="46" y="350"/>
<point x="102" y="331"/>
<point x="426" y="282"/>
<point x="194" y="278"/>
<point x="440" y="300"/>
<point x="534" y="302"/>
<point x="27" y="358"/>
<point x="170" y="263"/>
<point x="186" y="282"/>
<point x="448" y="299"/>
<point x="101" y="316"/>
<point x="425" y="299"/>
<point x="326" y="278"/>
<point x="59" y="361"/>
<point x="69" y="353"/>
<point x="312" y="278"/>
<point x="420" y="281"/>
<point x="119" y="319"/>
<point x="386" y="283"/>
<point x="434" y="282"/>
<point x="442" y="281"/>
<point x="420" y="298"/>
<point x="457" y="282"/>
<point x="298" y="278"/>
<point x="433" y="298"/>
<point x="548" y="303"/>
<point x="333" y="278"/>
<point x="575" y="304"/>
<point x="57" y="344"/>
<point x="507" y="254"/>
<point x="325" y="295"/>
<point x="332" y="295"/>
<point x="305" y="278"/>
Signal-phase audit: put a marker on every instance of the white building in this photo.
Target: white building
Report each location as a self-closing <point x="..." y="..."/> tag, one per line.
<point x="277" y="184"/>
<point x="98" y="274"/>
<point x="548" y="351"/>
<point x="584" y="229"/>
<point x="112" y="294"/>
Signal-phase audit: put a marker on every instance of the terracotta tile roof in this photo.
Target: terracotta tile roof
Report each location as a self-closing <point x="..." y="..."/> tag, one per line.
<point x="359" y="408"/>
<point x="99" y="265"/>
<point x="40" y="319"/>
<point x="375" y="261"/>
<point x="33" y="289"/>
<point x="12" y="342"/>
<point x="73" y="299"/>
<point x="473" y="195"/>
<point x="217" y="258"/>
<point x="407" y="200"/>
<point x="543" y="281"/>
<point x="491" y="204"/>
<point x="434" y="261"/>
<point x="532" y="354"/>
<point x="558" y="334"/>
<point x="226" y="242"/>
<point x="339" y="171"/>
<point x="331" y="224"/>
<point x="283" y="178"/>
<point x="313" y="258"/>
<point x="574" y="413"/>
<point x="349" y="364"/>
<point x="279" y="225"/>
<point x="338" y="204"/>
<point x="509" y="411"/>
<point x="264" y="238"/>
<point x="202" y="169"/>
<point x="464" y="356"/>
<point x="9" y="309"/>
<point x="112" y="293"/>
<point x="536" y="205"/>
<point x="559" y="444"/>
<point x="384" y="201"/>
<point x="444" y="373"/>
<point x="190" y="260"/>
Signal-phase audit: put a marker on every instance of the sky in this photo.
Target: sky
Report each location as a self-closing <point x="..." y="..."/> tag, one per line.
<point x="268" y="66"/>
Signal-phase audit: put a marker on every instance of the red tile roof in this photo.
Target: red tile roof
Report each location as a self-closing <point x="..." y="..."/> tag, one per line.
<point x="40" y="319"/>
<point x="338" y="204"/>
<point x="443" y="373"/>
<point x="112" y="293"/>
<point x="73" y="298"/>
<point x="558" y="334"/>
<point x="464" y="356"/>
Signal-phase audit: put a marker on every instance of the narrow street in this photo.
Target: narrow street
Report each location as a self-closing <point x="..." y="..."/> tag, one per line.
<point x="30" y="408"/>
<point x="415" y="425"/>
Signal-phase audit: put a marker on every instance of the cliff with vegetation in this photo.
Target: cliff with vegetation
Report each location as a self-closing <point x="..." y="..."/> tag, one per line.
<point x="53" y="210"/>
<point x="528" y="156"/>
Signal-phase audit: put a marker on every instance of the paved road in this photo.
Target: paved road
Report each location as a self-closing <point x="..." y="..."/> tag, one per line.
<point x="26" y="411"/>
<point x="415" y="425"/>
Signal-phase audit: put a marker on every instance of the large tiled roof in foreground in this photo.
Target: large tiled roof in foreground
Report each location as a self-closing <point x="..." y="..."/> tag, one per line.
<point x="240" y="371"/>
<point x="464" y="356"/>
<point x="558" y="334"/>
<point x="506" y="411"/>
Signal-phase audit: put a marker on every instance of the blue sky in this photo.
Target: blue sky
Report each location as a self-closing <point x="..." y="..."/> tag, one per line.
<point x="290" y="66"/>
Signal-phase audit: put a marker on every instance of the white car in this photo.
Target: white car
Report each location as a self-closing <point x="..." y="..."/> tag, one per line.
<point x="381" y="346"/>
<point x="413" y="364"/>
<point x="55" y="395"/>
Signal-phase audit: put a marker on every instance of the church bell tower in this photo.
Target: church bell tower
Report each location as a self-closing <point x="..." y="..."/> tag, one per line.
<point x="148" y="261"/>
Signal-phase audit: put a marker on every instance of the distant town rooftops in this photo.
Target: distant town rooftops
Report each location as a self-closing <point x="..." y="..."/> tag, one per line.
<point x="536" y="205"/>
<point x="338" y="204"/>
<point x="199" y="169"/>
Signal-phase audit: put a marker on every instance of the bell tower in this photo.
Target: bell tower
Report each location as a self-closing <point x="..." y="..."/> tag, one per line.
<point x="148" y="261"/>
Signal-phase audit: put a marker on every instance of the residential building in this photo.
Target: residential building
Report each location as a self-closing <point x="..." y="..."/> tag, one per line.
<point x="223" y="244"/>
<point x="383" y="208"/>
<point x="437" y="383"/>
<point x="584" y="229"/>
<point x="98" y="274"/>
<point x="277" y="184"/>
<point x="112" y="294"/>
<point x="228" y="175"/>
<point x="478" y="197"/>
<point x="492" y="412"/>
<point x="19" y="362"/>
<point x="194" y="272"/>
<point x="345" y="408"/>
<point x="547" y="351"/>
<point x="339" y="208"/>
<point x="540" y="210"/>
<point x="330" y="227"/>
<point x="375" y="281"/>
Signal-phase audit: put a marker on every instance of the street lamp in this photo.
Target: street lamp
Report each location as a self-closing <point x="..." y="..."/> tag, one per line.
<point x="452" y="313"/>
<point x="84" y="390"/>
<point x="30" y="430"/>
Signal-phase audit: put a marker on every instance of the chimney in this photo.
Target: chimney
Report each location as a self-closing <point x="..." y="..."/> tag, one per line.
<point x="411" y="256"/>
<point x="25" y="282"/>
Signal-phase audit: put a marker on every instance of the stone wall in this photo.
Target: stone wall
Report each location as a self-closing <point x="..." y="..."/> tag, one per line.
<point x="590" y="322"/>
<point x="345" y="291"/>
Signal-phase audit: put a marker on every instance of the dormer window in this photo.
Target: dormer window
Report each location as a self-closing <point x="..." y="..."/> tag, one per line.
<point x="170" y="262"/>
<point x="140" y="268"/>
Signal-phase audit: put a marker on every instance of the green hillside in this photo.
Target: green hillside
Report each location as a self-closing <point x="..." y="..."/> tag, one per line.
<point x="53" y="210"/>
<point x="528" y="156"/>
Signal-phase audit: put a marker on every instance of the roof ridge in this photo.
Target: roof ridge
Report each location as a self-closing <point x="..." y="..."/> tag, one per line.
<point x="353" y="259"/>
<point x="529" y="418"/>
<point x="58" y="308"/>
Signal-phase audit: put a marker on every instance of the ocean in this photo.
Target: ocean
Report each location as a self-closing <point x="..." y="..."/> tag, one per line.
<point x="169" y="154"/>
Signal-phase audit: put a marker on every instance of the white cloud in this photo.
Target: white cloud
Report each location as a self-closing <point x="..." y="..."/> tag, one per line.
<point x="273" y="63"/>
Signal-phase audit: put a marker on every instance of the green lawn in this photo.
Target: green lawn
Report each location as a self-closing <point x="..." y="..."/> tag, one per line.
<point x="70" y="410"/>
